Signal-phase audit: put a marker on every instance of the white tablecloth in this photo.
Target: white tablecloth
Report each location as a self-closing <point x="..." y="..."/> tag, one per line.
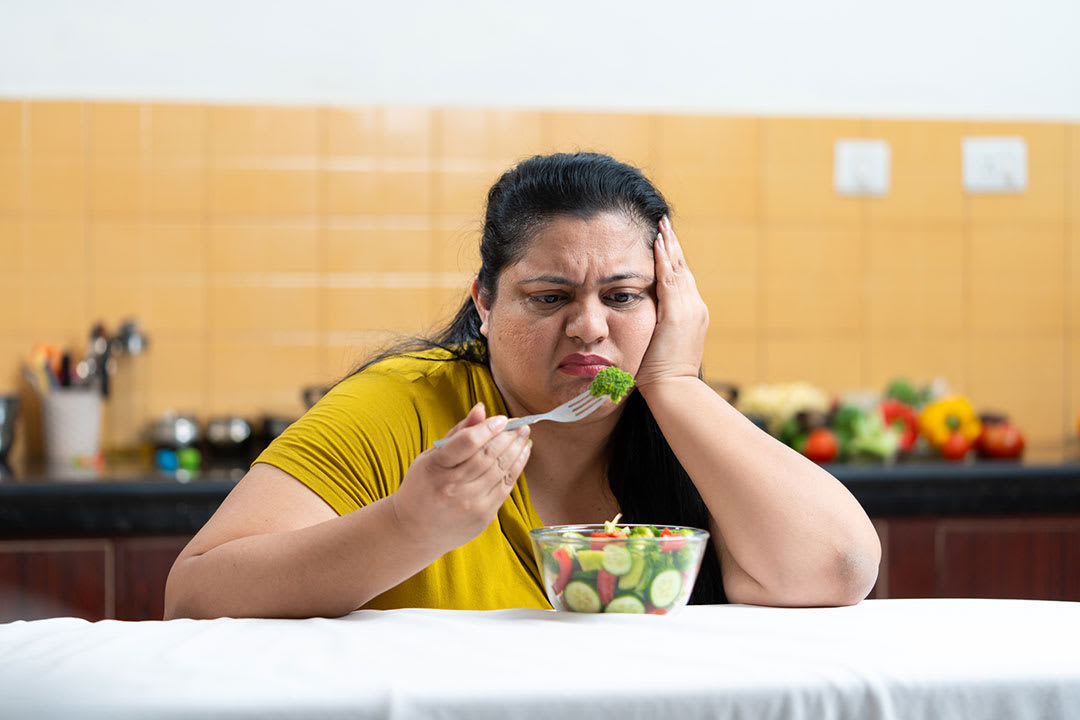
<point x="907" y="659"/>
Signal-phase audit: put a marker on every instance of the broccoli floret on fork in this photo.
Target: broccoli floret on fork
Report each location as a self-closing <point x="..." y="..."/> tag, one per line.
<point x="611" y="382"/>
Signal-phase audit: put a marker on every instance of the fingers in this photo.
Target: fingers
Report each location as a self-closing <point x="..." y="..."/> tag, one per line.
<point x="502" y="485"/>
<point x="670" y="246"/>
<point x="495" y="459"/>
<point x="462" y="444"/>
<point x="514" y="459"/>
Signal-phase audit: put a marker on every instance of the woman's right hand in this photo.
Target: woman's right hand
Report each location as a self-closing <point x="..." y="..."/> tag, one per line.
<point x="451" y="494"/>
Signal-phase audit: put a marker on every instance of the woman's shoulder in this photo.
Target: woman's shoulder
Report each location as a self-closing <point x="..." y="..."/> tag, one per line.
<point x="434" y="386"/>
<point x="427" y="363"/>
<point x="435" y="374"/>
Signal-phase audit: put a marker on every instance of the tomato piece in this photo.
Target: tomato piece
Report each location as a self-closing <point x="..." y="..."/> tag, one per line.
<point x="599" y="540"/>
<point x="956" y="447"/>
<point x="565" y="566"/>
<point x="605" y="586"/>
<point x="1000" y="440"/>
<point x="821" y="446"/>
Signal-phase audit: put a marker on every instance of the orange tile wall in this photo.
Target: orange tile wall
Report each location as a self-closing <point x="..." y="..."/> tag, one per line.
<point x="268" y="248"/>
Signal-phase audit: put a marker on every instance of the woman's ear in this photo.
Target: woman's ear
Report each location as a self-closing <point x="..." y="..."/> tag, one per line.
<point x="482" y="302"/>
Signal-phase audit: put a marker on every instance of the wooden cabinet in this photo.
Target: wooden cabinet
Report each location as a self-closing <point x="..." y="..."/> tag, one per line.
<point x="95" y="579"/>
<point x="1028" y="557"/>
<point x="1035" y="558"/>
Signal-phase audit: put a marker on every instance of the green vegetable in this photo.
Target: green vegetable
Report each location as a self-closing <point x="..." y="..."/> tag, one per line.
<point x="665" y="588"/>
<point x="684" y="558"/>
<point x="590" y="559"/>
<point x="630" y="580"/>
<point x="864" y="436"/>
<point x="616" y="559"/>
<point x="611" y="382"/>
<point x="903" y="390"/>
<point x="625" y="604"/>
<point x="580" y="597"/>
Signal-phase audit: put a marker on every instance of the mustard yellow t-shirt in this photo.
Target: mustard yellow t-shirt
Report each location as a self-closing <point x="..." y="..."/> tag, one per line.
<point x="355" y="445"/>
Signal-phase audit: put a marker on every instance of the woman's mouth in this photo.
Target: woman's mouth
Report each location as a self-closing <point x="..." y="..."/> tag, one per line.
<point x="583" y="365"/>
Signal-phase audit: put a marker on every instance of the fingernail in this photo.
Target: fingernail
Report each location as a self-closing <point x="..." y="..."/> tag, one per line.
<point x="497" y="423"/>
<point x="523" y="431"/>
<point x="664" y="221"/>
<point x="660" y="240"/>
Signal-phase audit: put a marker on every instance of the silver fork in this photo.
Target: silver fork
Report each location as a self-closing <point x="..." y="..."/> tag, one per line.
<point x="573" y="409"/>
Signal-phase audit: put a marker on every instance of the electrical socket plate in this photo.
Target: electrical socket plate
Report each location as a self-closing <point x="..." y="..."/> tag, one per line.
<point x="861" y="167"/>
<point x="995" y="164"/>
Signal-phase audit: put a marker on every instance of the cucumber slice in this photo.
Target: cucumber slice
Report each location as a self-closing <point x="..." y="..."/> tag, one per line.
<point x="637" y="568"/>
<point x="617" y="559"/>
<point x="665" y="588"/>
<point x="591" y="559"/>
<point x="625" y="604"/>
<point x="580" y="597"/>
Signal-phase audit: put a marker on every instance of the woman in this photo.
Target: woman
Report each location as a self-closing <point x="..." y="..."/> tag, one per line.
<point x="353" y="507"/>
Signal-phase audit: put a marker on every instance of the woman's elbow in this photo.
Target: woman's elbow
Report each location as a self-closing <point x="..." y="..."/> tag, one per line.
<point x="855" y="568"/>
<point x="180" y="600"/>
<point x="855" y="575"/>
<point x="844" y="578"/>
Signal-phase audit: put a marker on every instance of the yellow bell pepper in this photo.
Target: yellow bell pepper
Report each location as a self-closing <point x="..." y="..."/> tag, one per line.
<point x="948" y="415"/>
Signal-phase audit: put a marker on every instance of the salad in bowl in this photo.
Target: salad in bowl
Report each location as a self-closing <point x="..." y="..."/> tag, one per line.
<point x="616" y="568"/>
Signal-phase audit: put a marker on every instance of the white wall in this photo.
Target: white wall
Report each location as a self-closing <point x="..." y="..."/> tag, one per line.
<point x="918" y="58"/>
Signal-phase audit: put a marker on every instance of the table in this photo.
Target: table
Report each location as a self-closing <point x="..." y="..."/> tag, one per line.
<point x="881" y="659"/>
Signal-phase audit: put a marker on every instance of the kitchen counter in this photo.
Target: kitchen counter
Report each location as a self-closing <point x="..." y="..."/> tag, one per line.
<point x="137" y="501"/>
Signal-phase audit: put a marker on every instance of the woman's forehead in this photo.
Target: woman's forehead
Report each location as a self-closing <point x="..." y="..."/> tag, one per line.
<point x="607" y="239"/>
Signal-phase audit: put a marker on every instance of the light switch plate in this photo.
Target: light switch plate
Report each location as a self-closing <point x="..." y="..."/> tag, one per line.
<point x="861" y="167"/>
<point x="995" y="164"/>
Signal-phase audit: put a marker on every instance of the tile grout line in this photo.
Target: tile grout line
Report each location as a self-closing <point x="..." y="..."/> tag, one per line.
<point x="1069" y="263"/>
<point x="864" y="264"/>
<point x="761" y="355"/>
<point x="204" y="237"/>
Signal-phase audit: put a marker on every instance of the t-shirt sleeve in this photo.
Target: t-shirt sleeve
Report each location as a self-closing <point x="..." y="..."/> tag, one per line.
<point x="355" y="445"/>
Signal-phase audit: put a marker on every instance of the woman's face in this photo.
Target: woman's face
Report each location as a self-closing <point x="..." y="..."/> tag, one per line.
<point x="581" y="298"/>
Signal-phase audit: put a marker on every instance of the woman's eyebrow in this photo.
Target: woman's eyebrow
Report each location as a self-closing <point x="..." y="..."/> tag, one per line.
<point x="560" y="280"/>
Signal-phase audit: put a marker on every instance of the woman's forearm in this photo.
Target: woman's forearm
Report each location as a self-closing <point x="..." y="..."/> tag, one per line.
<point x="328" y="569"/>
<point x="795" y="531"/>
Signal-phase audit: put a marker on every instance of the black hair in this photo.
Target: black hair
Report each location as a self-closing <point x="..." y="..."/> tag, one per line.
<point x="645" y="477"/>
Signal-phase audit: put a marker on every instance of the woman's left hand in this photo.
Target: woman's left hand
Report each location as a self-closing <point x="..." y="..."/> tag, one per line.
<point x="678" y="340"/>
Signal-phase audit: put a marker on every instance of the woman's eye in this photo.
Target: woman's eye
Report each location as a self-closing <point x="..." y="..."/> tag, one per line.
<point x="623" y="298"/>
<point x="545" y="299"/>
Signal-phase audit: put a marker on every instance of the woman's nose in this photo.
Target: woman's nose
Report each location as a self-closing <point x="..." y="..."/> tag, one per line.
<point x="587" y="322"/>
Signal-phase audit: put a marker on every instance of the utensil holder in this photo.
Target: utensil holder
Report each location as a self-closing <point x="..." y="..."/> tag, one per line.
<point x="71" y="418"/>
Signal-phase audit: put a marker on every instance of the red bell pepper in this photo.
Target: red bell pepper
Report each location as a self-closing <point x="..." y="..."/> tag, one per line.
<point x="565" y="566"/>
<point x="903" y="417"/>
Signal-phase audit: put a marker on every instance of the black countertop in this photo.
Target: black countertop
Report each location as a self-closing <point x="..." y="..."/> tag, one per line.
<point x="144" y="502"/>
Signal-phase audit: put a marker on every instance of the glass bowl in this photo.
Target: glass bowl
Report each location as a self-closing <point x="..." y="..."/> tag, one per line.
<point x="586" y="570"/>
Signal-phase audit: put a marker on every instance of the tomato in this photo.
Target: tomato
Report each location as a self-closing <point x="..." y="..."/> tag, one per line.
<point x="597" y="544"/>
<point x="565" y="566"/>
<point x="821" y="446"/>
<point x="1001" y="440"/>
<point x="956" y="447"/>
<point x="671" y="541"/>
<point x="605" y="586"/>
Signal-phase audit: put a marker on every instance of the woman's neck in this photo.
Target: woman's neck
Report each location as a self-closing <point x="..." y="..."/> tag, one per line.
<point x="567" y="474"/>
